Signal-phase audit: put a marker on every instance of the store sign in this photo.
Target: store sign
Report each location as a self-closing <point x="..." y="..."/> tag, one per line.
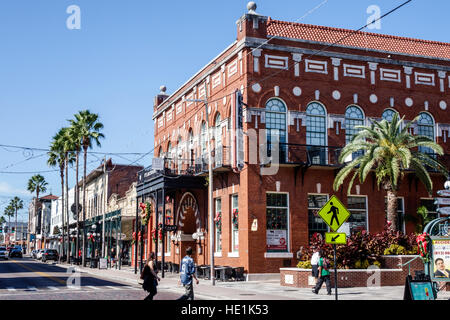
<point x="170" y="227"/>
<point x="255" y="225"/>
<point x="441" y="259"/>
<point x="103" y="263"/>
<point x="276" y="240"/>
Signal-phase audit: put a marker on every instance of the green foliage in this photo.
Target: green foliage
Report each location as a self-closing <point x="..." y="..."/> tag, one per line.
<point x="304" y="264"/>
<point x="395" y="249"/>
<point x="364" y="249"/>
<point x="388" y="148"/>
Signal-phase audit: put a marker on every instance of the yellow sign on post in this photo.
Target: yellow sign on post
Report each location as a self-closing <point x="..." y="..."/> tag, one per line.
<point x="334" y="213"/>
<point x="335" y="238"/>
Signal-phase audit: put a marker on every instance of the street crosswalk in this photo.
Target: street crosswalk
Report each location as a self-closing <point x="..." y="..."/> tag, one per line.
<point x="66" y="288"/>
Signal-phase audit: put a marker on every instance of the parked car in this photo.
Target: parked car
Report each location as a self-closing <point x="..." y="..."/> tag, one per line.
<point x="39" y="254"/>
<point x="16" y="252"/>
<point x="3" y="253"/>
<point x="49" y="254"/>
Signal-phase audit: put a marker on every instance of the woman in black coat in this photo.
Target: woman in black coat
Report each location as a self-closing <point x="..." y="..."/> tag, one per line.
<point x="150" y="277"/>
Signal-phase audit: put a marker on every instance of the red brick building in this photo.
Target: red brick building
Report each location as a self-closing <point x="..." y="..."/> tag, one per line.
<point x="313" y="84"/>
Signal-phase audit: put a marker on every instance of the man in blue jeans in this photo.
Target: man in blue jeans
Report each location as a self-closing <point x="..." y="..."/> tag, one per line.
<point x="187" y="271"/>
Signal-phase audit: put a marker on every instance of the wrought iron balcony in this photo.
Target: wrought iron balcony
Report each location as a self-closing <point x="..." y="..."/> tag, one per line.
<point x="189" y="167"/>
<point x="307" y="155"/>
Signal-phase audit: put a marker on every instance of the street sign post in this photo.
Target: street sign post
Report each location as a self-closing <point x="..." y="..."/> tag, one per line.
<point x="442" y="201"/>
<point x="444" y="193"/>
<point x="334" y="213"/>
<point x="444" y="211"/>
<point x="335" y="238"/>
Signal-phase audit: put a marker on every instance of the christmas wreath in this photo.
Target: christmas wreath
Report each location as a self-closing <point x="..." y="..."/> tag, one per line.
<point x="422" y="246"/>
<point x="218" y="221"/>
<point x="159" y="229"/>
<point x="146" y="212"/>
<point x="236" y="218"/>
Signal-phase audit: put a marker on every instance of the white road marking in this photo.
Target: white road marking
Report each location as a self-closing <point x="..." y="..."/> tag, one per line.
<point x="11" y="289"/>
<point x="114" y="288"/>
<point x="92" y="287"/>
<point x="32" y="288"/>
<point x="53" y="288"/>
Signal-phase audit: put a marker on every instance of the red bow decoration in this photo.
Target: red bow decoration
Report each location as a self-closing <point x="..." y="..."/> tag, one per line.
<point x="422" y="246"/>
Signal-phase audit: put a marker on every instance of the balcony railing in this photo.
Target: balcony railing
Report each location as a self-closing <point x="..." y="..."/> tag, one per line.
<point x="190" y="167"/>
<point x="300" y="154"/>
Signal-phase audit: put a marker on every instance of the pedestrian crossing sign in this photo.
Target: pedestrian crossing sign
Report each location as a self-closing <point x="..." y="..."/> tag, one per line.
<point x="334" y="213"/>
<point x="335" y="238"/>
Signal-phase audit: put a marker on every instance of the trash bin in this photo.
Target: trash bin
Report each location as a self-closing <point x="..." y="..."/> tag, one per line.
<point x="94" y="263"/>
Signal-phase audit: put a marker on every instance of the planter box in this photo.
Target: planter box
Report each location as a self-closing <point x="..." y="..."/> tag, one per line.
<point x="391" y="274"/>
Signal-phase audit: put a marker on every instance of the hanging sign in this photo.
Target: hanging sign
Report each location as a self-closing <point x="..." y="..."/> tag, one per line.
<point x="444" y="193"/>
<point x="444" y="210"/>
<point x="442" y="201"/>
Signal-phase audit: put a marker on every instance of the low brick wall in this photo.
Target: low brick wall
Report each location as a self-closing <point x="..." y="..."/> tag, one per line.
<point x="389" y="275"/>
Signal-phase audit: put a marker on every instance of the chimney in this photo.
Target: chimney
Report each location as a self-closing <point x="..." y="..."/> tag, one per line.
<point x="252" y="24"/>
<point x="160" y="97"/>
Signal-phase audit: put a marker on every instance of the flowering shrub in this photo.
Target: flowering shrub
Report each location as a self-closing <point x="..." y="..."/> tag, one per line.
<point x="423" y="240"/>
<point x="363" y="248"/>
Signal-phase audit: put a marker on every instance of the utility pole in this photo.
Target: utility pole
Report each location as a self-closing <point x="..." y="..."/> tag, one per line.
<point x="210" y="188"/>
<point x="104" y="207"/>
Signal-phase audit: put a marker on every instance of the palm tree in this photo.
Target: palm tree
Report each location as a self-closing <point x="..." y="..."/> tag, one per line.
<point x="389" y="149"/>
<point x="9" y="212"/>
<point x="73" y="137"/>
<point x="88" y="130"/>
<point x="37" y="184"/>
<point x="16" y="204"/>
<point x="57" y="158"/>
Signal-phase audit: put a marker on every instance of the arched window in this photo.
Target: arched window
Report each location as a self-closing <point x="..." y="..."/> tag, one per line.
<point x="316" y="132"/>
<point x="388" y="115"/>
<point x="276" y="125"/>
<point x="426" y="128"/>
<point x="353" y="117"/>
<point x="217" y="131"/>
<point x="179" y="154"/>
<point x="203" y="140"/>
<point x="190" y="147"/>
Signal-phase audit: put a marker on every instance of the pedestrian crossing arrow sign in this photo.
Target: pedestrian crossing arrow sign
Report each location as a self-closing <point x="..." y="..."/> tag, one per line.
<point x="334" y="213"/>
<point x="335" y="238"/>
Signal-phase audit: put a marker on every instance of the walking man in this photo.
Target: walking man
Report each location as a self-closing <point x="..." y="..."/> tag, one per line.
<point x="187" y="272"/>
<point x="324" y="274"/>
<point x="315" y="264"/>
<point x="335" y="211"/>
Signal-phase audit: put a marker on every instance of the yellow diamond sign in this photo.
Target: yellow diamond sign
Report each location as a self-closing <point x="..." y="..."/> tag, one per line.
<point x="335" y="238"/>
<point x="334" y="213"/>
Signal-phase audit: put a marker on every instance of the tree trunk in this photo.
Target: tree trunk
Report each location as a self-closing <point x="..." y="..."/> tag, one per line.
<point x="83" y="207"/>
<point x="37" y="201"/>
<point x="77" y="203"/>
<point x="62" y="209"/>
<point x="15" y="229"/>
<point x="392" y="209"/>
<point x="67" y="211"/>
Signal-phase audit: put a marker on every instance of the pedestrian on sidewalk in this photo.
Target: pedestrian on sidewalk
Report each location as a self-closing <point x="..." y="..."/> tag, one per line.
<point x="315" y="263"/>
<point x="324" y="274"/>
<point x="187" y="272"/>
<point x="150" y="277"/>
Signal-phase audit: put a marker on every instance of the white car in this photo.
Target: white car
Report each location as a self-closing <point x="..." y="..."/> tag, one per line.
<point x="3" y="253"/>
<point x="39" y="254"/>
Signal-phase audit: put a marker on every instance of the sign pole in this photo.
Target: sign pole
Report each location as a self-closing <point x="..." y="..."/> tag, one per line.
<point x="335" y="273"/>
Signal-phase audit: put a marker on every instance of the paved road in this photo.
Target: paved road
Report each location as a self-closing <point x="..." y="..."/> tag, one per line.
<point x="28" y="279"/>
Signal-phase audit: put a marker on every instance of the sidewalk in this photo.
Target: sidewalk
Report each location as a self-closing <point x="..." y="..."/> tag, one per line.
<point x="251" y="290"/>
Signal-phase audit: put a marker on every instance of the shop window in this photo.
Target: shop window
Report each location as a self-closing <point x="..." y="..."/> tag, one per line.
<point x="277" y="222"/>
<point x="357" y="206"/>
<point x="218" y="226"/>
<point x="315" y="222"/>
<point x="234" y="224"/>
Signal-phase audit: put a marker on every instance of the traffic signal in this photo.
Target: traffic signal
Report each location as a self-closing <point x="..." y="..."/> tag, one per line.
<point x="1" y="229"/>
<point x="13" y="229"/>
<point x="6" y="229"/>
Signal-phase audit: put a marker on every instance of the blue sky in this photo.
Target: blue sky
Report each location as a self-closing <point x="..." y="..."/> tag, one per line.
<point x="115" y="64"/>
